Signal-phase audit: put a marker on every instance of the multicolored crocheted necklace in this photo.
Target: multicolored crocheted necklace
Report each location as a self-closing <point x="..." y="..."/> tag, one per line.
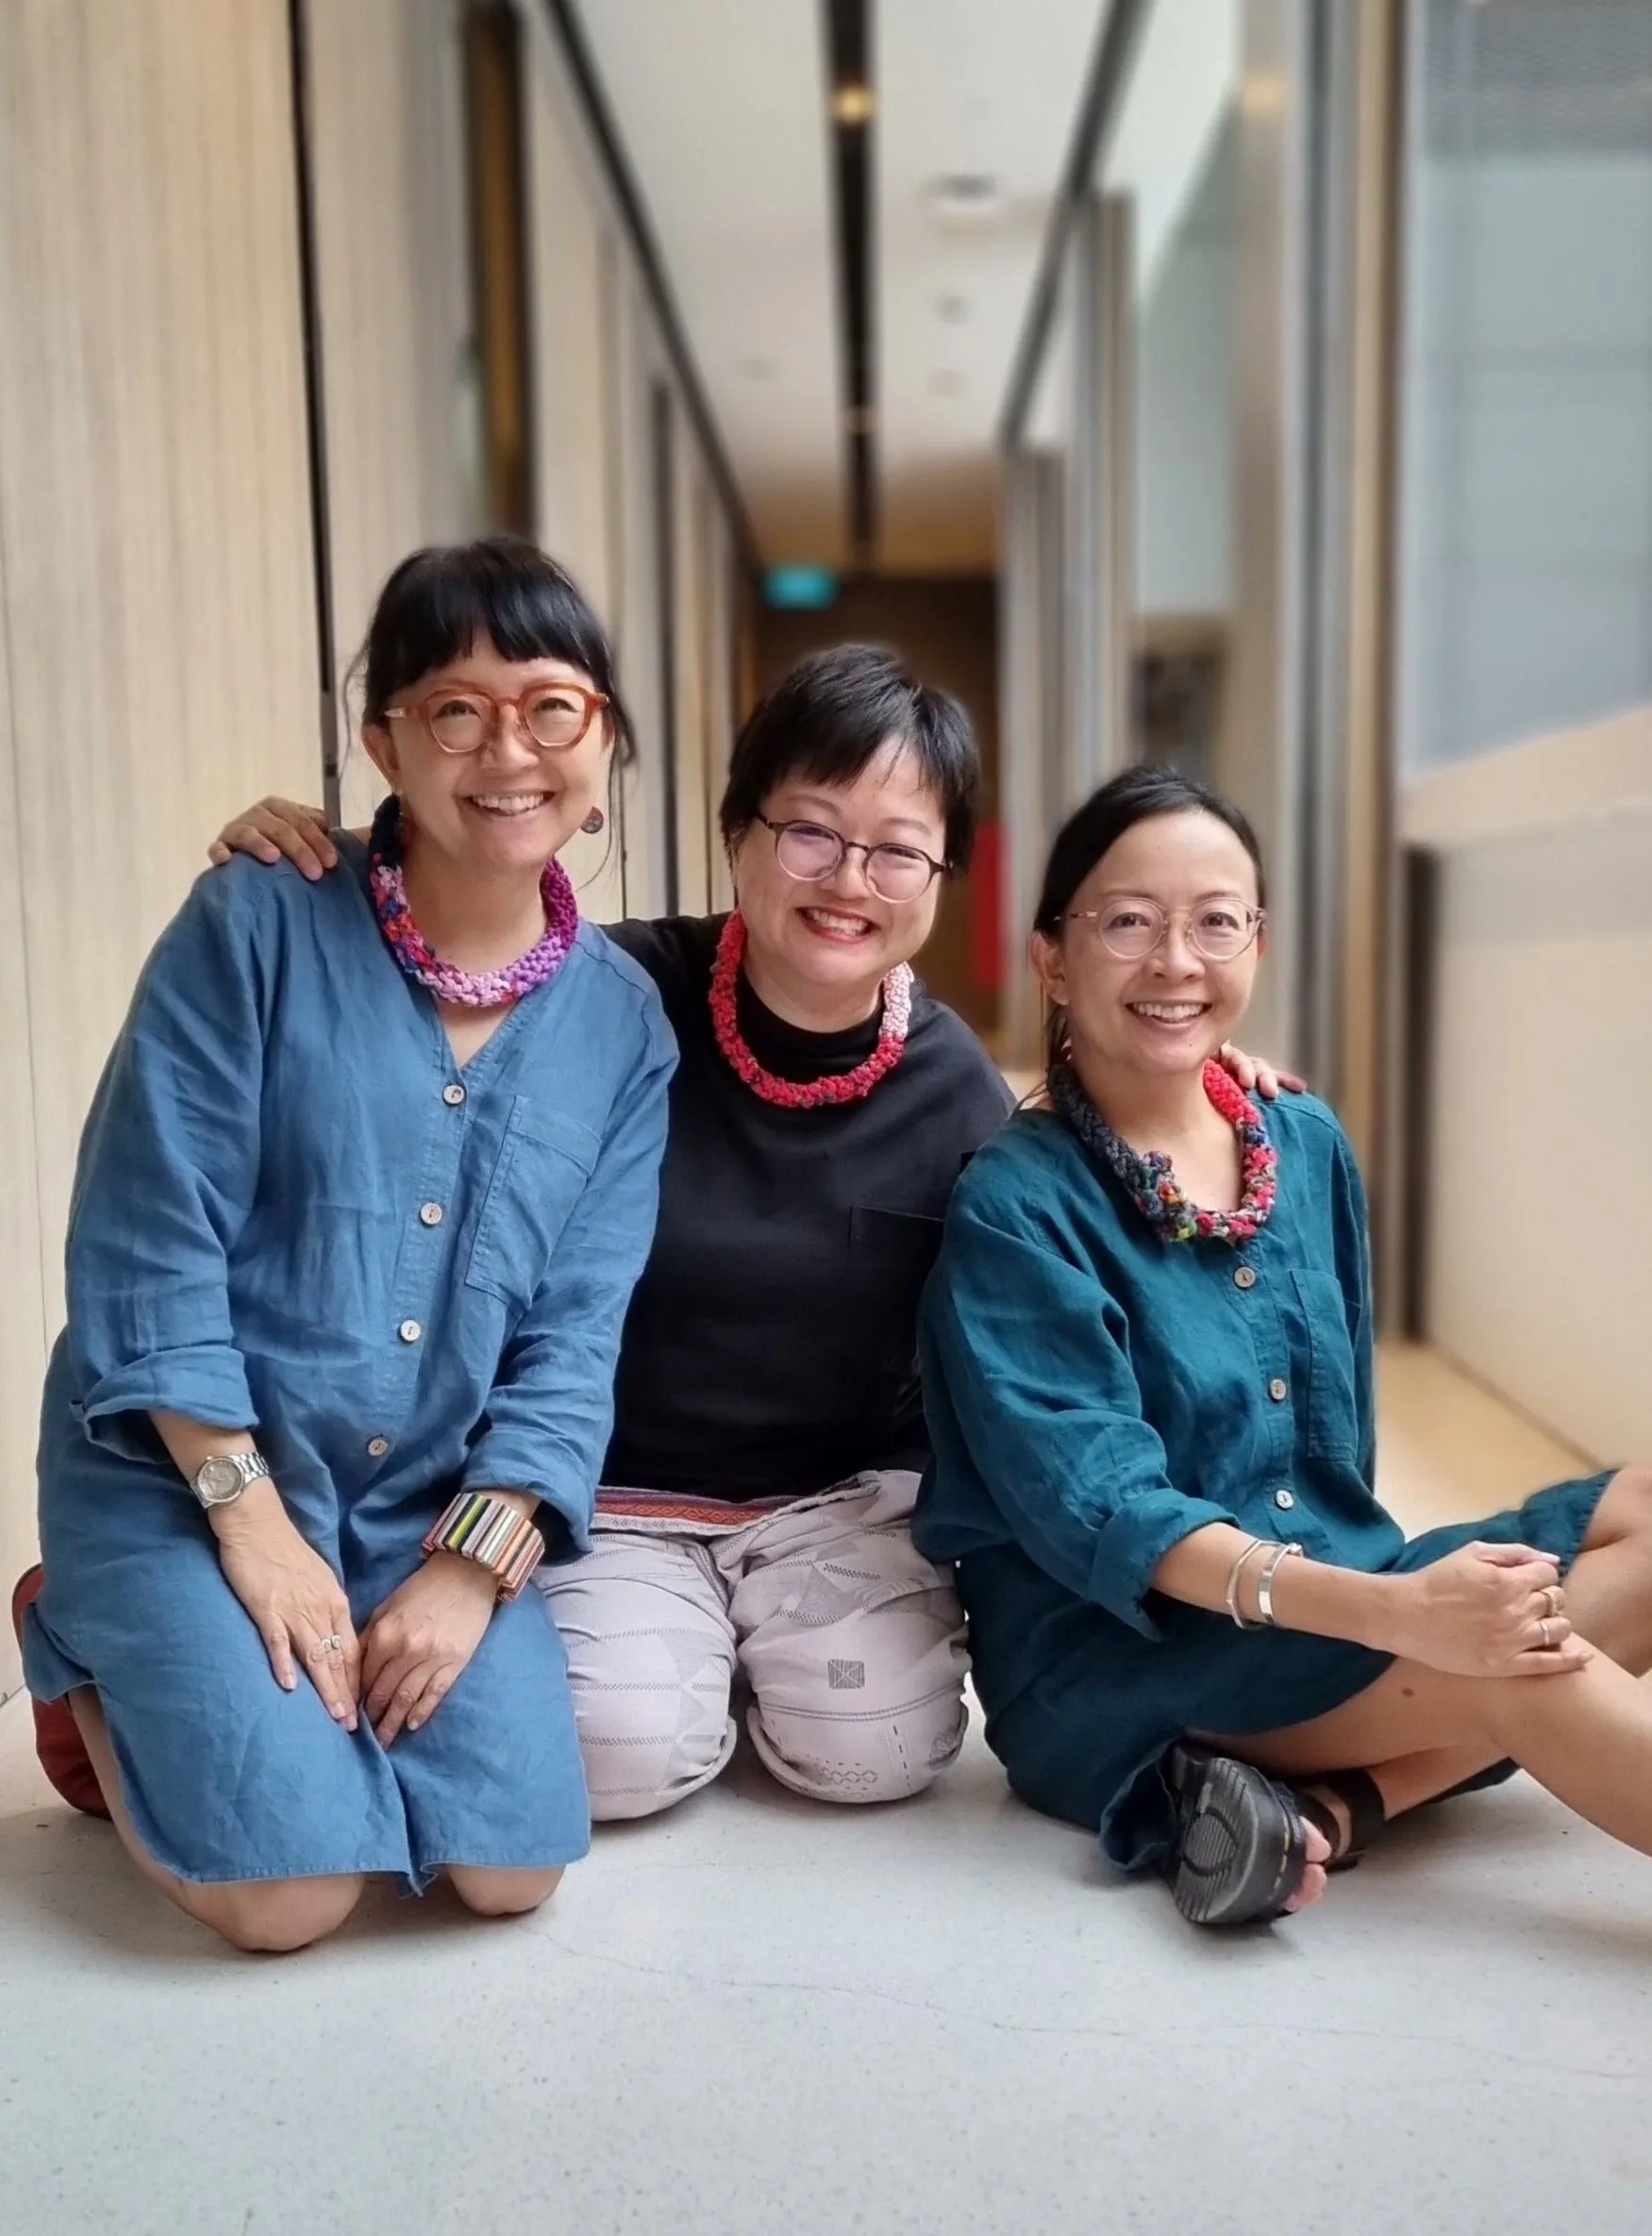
<point x="1150" y="1178"/>
<point x="799" y="1094"/>
<point x="473" y="989"/>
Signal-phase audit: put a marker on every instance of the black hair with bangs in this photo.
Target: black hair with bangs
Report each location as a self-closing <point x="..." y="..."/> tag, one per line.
<point x="439" y="602"/>
<point x="830" y="716"/>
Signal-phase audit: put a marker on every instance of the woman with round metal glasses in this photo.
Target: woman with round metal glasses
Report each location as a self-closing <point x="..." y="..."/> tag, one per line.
<point x="753" y="1526"/>
<point x="1148" y="1356"/>
<point x="360" y="1202"/>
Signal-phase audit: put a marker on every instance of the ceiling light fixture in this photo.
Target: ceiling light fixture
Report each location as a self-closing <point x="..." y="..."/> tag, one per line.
<point x="853" y="105"/>
<point x="966" y="198"/>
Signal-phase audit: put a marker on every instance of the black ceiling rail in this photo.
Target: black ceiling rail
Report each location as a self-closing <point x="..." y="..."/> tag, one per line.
<point x="1115" y="45"/>
<point x="315" y="416"/>
<point x="563" y="17"/>
<point x="847" y="25"/>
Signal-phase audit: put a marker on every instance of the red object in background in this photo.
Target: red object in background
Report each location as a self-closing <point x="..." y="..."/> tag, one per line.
<point x="57" y="1735"/>
<point x="986" y="909"/>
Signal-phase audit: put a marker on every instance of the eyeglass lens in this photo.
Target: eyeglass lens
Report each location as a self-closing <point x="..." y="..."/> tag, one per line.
<point x="1218" y="930"/>
<point x="808" y="851"/>
<point x="461" y="721"/>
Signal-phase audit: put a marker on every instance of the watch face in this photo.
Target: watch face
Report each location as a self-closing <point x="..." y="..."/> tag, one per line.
<point x="219" y="1482"/>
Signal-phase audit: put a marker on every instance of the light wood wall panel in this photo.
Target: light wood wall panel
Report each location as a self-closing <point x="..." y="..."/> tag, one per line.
<point x="158" y="592"/>
<point x="691" y="558"/>
<point x="23" y="1330"/>
<point x="723" y="621"/>
<point x="571" y="251"/>
<point x="637" y="615"/>
<point x="403" y="402"/>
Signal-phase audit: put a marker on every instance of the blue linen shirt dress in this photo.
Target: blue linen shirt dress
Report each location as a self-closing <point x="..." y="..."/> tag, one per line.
<point x="1094" y="1396"/>
<point x="293" y="1212"/>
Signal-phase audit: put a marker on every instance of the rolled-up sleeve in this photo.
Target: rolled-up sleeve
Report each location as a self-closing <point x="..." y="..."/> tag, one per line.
<point x="168" y="1170"/>
<point x="550" y="1412"/>
<point x="1031" y="1352"/>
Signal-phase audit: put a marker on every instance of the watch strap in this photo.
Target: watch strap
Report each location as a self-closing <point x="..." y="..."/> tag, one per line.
<point x="252" y="1467"/>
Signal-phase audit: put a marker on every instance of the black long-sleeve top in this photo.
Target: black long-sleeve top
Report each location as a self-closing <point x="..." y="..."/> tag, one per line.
<point x="771" y="1346"/>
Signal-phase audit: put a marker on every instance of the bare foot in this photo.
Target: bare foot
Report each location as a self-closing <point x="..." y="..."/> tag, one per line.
<point x="1313" y="1878"/>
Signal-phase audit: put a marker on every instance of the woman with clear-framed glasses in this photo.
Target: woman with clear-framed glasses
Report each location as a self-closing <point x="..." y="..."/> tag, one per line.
<point x="752" y="1533"/>
<point x="1147" y="1354"/>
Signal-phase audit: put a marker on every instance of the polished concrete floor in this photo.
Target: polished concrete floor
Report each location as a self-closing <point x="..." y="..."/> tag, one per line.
<point x="756" y="2015"/>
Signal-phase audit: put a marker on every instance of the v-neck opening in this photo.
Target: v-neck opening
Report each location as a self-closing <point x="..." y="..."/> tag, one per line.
<point x="423" y="1002"/>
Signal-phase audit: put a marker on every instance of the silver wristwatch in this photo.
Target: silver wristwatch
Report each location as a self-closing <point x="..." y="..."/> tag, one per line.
<point x="221" y="1479"/>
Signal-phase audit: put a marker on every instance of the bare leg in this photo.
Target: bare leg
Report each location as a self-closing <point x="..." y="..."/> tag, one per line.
<point x="269" y="1915"/>
<point x="1586" y="1736"/>
<point x="1609" y="1589"/>
<point x="1609" y="1598"/>
<point x="502" y="1894"/>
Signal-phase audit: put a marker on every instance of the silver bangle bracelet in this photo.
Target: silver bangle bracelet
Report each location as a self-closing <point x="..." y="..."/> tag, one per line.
<point x="1264" y="1583"/>
<point x="1233" y="1575"/>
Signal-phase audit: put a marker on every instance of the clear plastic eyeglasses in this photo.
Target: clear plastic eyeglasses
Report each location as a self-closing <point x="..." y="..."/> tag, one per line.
<point x="1219" y="929"/>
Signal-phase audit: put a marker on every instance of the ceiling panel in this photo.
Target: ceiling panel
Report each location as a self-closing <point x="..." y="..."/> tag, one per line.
<point x="721" y="107"/>
<point x="968" y="91"/>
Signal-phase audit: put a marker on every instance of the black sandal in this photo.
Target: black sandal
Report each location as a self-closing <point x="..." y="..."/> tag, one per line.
<point x="1240" y="1848"/>
<point x="1360" y="1795"/>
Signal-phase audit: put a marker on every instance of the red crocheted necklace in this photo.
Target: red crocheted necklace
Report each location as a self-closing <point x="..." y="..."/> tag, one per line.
<point x="799" y="1094"/>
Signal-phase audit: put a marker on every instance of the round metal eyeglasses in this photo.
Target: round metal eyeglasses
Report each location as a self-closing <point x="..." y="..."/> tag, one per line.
<point x="553" y="715"/>
<point x="1220" y="930"/>
<point x="810" y="851"/>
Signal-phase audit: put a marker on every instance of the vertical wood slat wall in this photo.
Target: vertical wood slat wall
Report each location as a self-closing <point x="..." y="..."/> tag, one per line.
<point x="597" y="354"/>
<point x="155" y="596"/>
<point x="158" y="658"/>
<point x="404" y="442"/>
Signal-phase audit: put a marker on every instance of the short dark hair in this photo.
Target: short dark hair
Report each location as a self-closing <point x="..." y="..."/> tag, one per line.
<point x="1092" y="832"/>
<point x="831" y="715"/>
<point x="440" y="600"/>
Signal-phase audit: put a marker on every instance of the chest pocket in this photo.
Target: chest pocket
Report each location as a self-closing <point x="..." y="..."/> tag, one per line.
<point x="544" y="1163"/>
<point x="1333" y="1426"/>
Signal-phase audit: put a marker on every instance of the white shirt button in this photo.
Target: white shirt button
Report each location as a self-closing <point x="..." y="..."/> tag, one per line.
<point x="377" y="1446"/>
<point x="1278" y="1391"/>
<point x="410" y="1331"/>
<point x="452" y="1094"/>
<point x="1284" y="1500"/>
<point x="1244" y="1277"/>
<point x="429" y="1214"/>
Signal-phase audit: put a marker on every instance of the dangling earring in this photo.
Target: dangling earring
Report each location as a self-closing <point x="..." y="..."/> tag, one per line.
<point x="593" y="823"/>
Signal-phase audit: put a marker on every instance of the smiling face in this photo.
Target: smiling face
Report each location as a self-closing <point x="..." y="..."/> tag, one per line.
<point x="831" y="941"/>
<point x="506" y="808"/>
<point x="1170" y="1010"/>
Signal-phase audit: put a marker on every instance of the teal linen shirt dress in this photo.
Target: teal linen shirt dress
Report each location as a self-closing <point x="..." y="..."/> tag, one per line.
<point x="1096" y="1394"/>
<point x="295" y="1211"/>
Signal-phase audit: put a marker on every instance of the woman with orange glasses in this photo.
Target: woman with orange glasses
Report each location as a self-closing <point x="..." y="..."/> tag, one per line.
<point x="360" y="1202"/>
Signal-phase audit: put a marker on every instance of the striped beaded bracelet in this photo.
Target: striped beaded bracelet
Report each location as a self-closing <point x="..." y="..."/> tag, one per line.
<point x="491" y="1532"/>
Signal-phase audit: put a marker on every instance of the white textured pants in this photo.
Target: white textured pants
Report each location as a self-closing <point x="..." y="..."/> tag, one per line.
<point x="850" y="1642"/>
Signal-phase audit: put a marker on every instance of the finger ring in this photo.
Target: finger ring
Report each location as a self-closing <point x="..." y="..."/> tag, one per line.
<point x="332" y="1645"/>
<point x="1555" y="1597"/>
<point x="1543" y="1629"/>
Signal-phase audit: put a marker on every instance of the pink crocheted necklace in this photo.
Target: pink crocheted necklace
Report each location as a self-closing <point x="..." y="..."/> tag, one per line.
<point x="799" y="1094"/>
<point x="472" y="990"/>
